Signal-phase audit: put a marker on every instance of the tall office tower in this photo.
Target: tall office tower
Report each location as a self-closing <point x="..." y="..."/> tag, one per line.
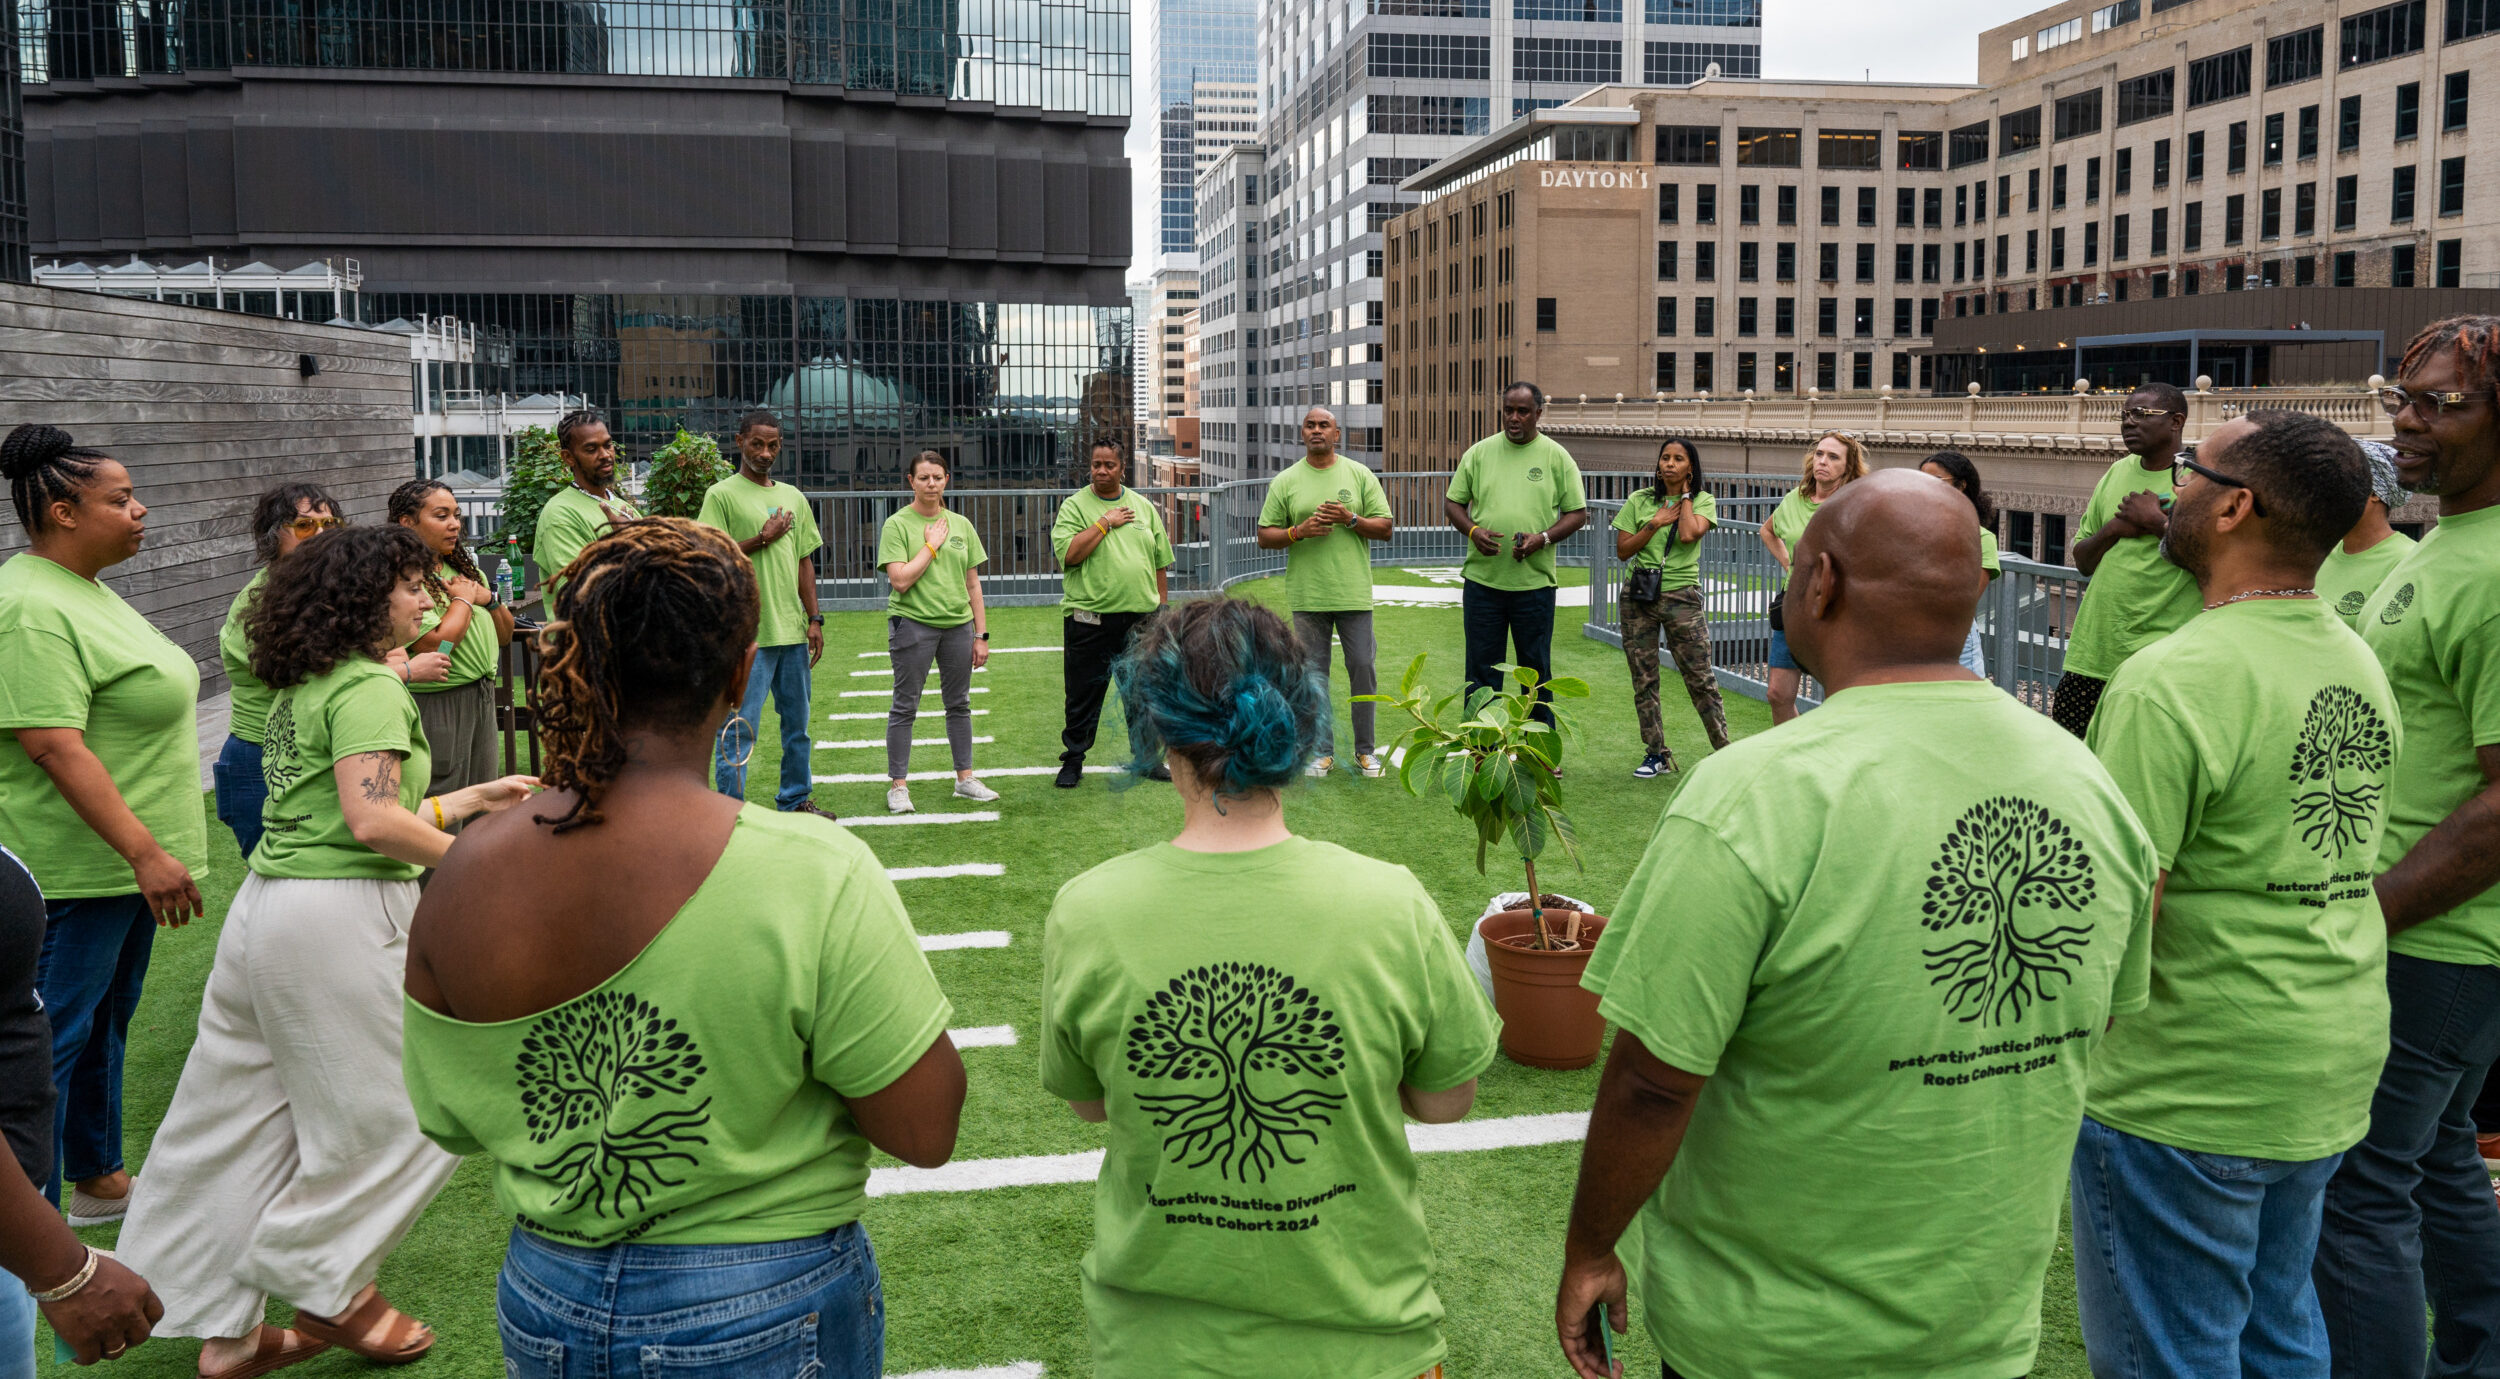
<point x="900" y="227"/>
<point x="1195" y="42"/>
<point x="1230" y="324"/>
<point x="1361" y="94"/>
<point x="1171" y="293"/>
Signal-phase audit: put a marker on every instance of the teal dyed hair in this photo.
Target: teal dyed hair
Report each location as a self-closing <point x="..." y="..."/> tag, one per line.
<point x="1224" y="683"/>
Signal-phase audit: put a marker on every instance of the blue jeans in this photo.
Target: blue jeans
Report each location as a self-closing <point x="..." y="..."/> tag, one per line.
<point x="1974" y="659"/>
<point x="240" y="791"/>
<point x="2409" y="1217"/>
<point x="1779" y="656"/>
<point x="17" y="1330"/>
<point x="95" y="962"/>
<point x="1513" y="625"/>
<point x="792" y="1309"/>
<point x="784" y="670"/>
<point x="2195" y="1266"/>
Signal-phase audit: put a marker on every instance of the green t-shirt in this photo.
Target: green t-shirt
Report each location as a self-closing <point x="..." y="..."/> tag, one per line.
<point x="696" y="1097"/>
<point x="1119" y="575"/>
<point x="1678" y="561"/>
<point x="1988" y="553"/>
<point x="1332" y="573"/>
<point x="571" y="520"/>
<point x="939" y="598"/>
<point x="356" y="706"/>
<point x="2255" y="744"/>
<point x="1788" y="520"/>
<point x="2347" y="581"/>
<point x="234" y="649"/>
<point x="2136" y="597"/>
<point x="739" y="506"/>
<point x="73" y="655"/>
<point x="2435" y="625"/>
<point x="1509" y="489"/>
<point x="1889" y="933"/>
<point x="472" y="657"/>
<point x="1286" y="1238"/>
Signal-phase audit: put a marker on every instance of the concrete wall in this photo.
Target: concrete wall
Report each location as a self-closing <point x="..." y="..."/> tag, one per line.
<point x="208" y="409"/>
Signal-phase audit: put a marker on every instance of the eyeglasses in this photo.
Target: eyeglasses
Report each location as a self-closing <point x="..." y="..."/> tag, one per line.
<point x="306" y="528"/>
<point x="2147" y="413"/>
<point x="2183" y="466"/>
<point x="2395" y="399"/>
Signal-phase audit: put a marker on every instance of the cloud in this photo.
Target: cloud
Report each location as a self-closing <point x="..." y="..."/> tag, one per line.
<point x="1895" y="40"/>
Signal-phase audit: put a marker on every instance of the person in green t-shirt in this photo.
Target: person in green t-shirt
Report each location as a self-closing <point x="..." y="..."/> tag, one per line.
<point x="579" y="513"/>
<point x="1660" y="528"/>
<point x="1955" y="468"/>
<point x="776" y="526"/>
<point x="1835" y="462"/>
<point x="2132" y="597"/>
<point x="2255" y="744"/>
<point x="99" y="782"/>
<point x="673" y="1023"/>
<point x="1925" y="1011"/>
<point x="1253" y="1055"/>
<point x="1323" y="513"/>
<point x="463" y="624"/>
<point x="2360" y="562"/>
<point x="282" y="519"/>
<point x="289" y="1161"/>
<point x="1515" y="496"/>
<point x="1115" y="561"/>
<point x="2408" y="1215"/>
<point x="932" y="558"/>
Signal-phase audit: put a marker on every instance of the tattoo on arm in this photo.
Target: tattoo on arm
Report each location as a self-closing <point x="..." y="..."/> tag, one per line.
<point x="381" y="779"/>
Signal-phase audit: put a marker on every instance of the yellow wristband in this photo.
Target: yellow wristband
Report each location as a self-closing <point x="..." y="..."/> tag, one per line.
<point x="1102" y="526"/>
<point x="437" y="802"/>
<point x="932" y="550"/>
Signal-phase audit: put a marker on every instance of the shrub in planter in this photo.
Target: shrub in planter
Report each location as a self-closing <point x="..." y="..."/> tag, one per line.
<point x="682" y="471"/>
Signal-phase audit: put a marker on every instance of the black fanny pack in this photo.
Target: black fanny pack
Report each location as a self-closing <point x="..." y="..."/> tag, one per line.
<point x="1778" y="602"/>
<point x="1642" y="586"/>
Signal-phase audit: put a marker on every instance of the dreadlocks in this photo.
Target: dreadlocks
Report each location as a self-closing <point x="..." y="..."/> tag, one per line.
<point x="44" y="466"/>
<point x="2476" y="340"/>
<point x="579" y="419"/>
<point x="649" y="624"/>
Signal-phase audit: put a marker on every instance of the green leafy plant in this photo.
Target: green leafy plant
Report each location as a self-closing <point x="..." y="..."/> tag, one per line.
<point x="536" y="474"/>
<point x="1497" y="765"/>
<point x="682" y="471"/>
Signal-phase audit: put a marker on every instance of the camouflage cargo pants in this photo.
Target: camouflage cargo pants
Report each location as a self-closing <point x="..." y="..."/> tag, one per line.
<point x="1677" y="616"/>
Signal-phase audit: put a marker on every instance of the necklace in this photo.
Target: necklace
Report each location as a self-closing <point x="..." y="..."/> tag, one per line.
<point x="2263" y="594"/>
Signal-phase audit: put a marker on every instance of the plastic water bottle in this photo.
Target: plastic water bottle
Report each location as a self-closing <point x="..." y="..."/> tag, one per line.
<point x="507" y="578"/>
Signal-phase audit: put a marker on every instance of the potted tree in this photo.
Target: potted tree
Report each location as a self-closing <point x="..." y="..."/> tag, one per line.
<point x="682" y="471"/>
<point x="1496" y="764"/>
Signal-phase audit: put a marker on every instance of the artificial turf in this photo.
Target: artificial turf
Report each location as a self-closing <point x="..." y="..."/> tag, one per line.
<point x="989" y="1278"/>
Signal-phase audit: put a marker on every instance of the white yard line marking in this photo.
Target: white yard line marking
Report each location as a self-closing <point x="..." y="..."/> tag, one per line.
<point x="860" y="743"/>
<point x="978" y="938"/>
<point x="1021" y="1369"/>
<point x="978" y="816"/>
<point x="994" y="651"/>
<point x="889" y="670"/>
<point x="1037" y="1170"/>
<point x="942" y="873"/>
<point x="880" y="713"/>
<point x="983" y="1036"/>
<point x="888" y="694"/>
<point x="985" y="773"/>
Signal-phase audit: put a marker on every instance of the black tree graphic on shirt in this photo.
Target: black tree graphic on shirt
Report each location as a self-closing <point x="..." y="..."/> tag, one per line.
<point x="2341" y="739"/>
<point x="1237" y="1032"/>
<point x="2352" y="602"/>
<point x="279" y="766"/>
<point x="594" y="1064"/>
<point x="2005" y="860"/>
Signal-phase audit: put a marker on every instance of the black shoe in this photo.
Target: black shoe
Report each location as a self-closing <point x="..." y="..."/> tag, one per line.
<point x="1160" y="773"/>
<point x="1071" y="774"/>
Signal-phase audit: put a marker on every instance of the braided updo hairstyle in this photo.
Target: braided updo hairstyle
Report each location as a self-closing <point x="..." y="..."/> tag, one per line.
<point x="649" y="627"/>
<point x="407" y="501"/>
<point x="44" y="466"/>
<point x="1223" y="683"/>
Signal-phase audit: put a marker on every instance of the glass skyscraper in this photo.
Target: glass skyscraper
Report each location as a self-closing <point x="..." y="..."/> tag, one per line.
<point x="1195" y="41"/>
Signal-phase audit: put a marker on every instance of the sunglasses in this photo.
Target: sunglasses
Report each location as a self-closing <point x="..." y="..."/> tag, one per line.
<point x="2183" y="466"/>
<point x="305" y="528"/>
<point x="2148" y="413"/>
<point x="2429" y="404"/>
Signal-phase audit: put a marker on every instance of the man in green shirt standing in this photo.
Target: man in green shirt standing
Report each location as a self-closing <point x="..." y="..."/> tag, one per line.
<point x="579" y="514"/>
<point x="2357" y="565"/>
<point x="1116" y="566"/>
<point x="776" y="526"/>
<point x="2200" y="1172"/>
<point x="1322" y="513"/>
<point x="1515" y="496"/>
<point x="2409" y="1220"/>
<point x="2134" y="597"/>
<point x="1787" y="998"/>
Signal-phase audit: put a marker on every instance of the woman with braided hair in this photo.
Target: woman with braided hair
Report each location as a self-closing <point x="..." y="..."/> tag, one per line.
<point x="99" y="783"/>
<point x="676" y="1021"/>
<point x="464" y="623"/>
<point x="289" y="1164"/>
<point x="1258" y="1212"/>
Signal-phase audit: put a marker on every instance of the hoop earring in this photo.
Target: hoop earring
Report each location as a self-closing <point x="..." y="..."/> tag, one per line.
<point x="721" y="747"/>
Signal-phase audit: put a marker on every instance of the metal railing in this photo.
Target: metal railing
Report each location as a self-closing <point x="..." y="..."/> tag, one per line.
<point x="2024" y="416"/>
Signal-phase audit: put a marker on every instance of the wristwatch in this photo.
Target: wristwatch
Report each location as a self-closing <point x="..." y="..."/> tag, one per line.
<point x="981" y="636"/>
<point x="816" y="619"/>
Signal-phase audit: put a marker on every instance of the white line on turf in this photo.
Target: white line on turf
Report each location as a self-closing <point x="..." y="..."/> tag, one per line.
<point x="978" y="816"/>
<point x="859" y="743"/>
<point x="888" y="694"/>
<point x="983" y="1036"/>
<point x="878" y="713"/>
<point x="941" y="873"/>
<point x="889" y="670"/>
<point x="985" y="773"/>
<point x="1036" y="1170"/>
<point x="978" y="938"/>
<point x="994" y="651"/>
<point x="1021" y="1369"/>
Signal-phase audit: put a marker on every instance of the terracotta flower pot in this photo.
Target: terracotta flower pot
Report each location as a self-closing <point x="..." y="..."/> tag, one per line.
<point x="1548" y="1021"/>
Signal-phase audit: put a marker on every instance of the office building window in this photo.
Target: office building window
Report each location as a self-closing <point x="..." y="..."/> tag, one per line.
<point x="1705" y="324"/>
<point x="1904" y="263"/>
<point x="1446" y="57"/>
<point x="1575" y="61"/>
<point x="2270" y="213"/>
<point x="1931" y="263"/>
<point x="2343" y="264"/>
<point x="2222" y="77"/>
<point x="2031" y="251"/>
<point x="1866" y="263"/>
<point x="2347" y="202"/>
<point x="2057" y="249"/>
<point x="2091" y="181"/>
<point x="1670" y="202"/>
<point x="2471" y="18"/>
<point x="2392" y="31"/>
<point x="1849" y="148"/>
<point x="1545" y="313"/>
<point x="1827" y="263"/>
<point x="1749" y="204"/>
<point x="1861" y="369"/>
<point x="1931" y="203"/>
<point x="1666" y="260"/>
<point x="2305" y="209"/>
<point x="2450" y="264"/>
<point x="2092" y="244"/>
<point x="2452" y="186"/>
<point x="2057" y="187"/>
<point x="1921" y="152"/>
<point x="2308" y="132"/>
<point x="2147" y="97"/>
<point x="2122" y="172"/>
<point x="2408" y="111"/>
<point x="1745" y="377"/>
<point x="1662" y="378"/>
<point x="2296" y="56"/>
<point x="1900" y="315"/>
<point x="1969" y="144"/>
<point x="2079" y="114"/>
<point x="2274" y="139"/>
<point x="1686" y="145"/>
<point x="1706" y="204"/>
<point x="1783" y="316"/>
<point x="1831" y="205"/>
<point x="2400" y="194"/>
<point x="1827" y="316"/>
<point x="1748" y="262"/>
<point x="2234" y="219"/>
<point x="2196" y="156"/>
<point x="2018" y="131"/>
<point x="1784" y="267"/>
<point x="1682" y="64"/>
<point x="2235" y="160"/>
<point x="2348" y="124"/>
<point x="2161" y="232"/>
<point x="2400" y="266"/>
<point x="2161" y="164"/>
<point x="1866" y="207"/>
<point x="1748" y="316"/>
<point x="2305" y="271"/>
<point x="2118" y="239"/>
<point x="1766" y="148"/>
<point x="1666" y="316"/>
<point x="1905" y="207"/>
<point x="2192" y="228"/>
<point x="2452" y="106"/>
<point x="1787" y="198"/>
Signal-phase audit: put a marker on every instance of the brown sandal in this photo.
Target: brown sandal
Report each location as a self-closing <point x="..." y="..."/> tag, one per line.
<point x="402" y="1337"/>
<point x="273" y="1349"/>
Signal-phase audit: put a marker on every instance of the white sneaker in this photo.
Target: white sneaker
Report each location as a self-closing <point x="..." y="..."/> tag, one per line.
<point x="898" y="799"/>
<point x="1320" y="766"/>
<point x="973" y="789"/>
<point x="1366" y="764"/>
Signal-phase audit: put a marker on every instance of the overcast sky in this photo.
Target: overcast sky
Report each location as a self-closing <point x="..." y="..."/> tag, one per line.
<point x="1899" y="40"/>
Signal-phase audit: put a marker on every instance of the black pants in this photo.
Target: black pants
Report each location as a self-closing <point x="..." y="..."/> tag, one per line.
<point x="1498" y="620"/>
<point x="2076" y="699"/>
<point x="1088" y="649"/>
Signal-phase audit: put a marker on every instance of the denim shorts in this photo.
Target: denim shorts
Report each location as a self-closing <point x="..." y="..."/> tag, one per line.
<point x="1780" y="659"/>
<point x="789" y="1309"/>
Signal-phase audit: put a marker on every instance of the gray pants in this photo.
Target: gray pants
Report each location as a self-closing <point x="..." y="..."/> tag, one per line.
<point x="915" y="645"/>
<point x="460" y="730"/>
<point x="1354" y="630"/>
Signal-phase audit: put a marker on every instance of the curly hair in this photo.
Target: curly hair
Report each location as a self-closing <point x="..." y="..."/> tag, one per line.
<point x="1223" y="683"/>
<point x="649" y="625"/>
<point x="274" y="511"/>
<point x="407" y="502"/>
<point x="44" y="466"/>
<point x="2475" y="339"/>
<point x="329" y="600"/>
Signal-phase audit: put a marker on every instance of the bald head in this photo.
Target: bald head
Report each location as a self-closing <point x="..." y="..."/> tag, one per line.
<point x="1887" y="574"/>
